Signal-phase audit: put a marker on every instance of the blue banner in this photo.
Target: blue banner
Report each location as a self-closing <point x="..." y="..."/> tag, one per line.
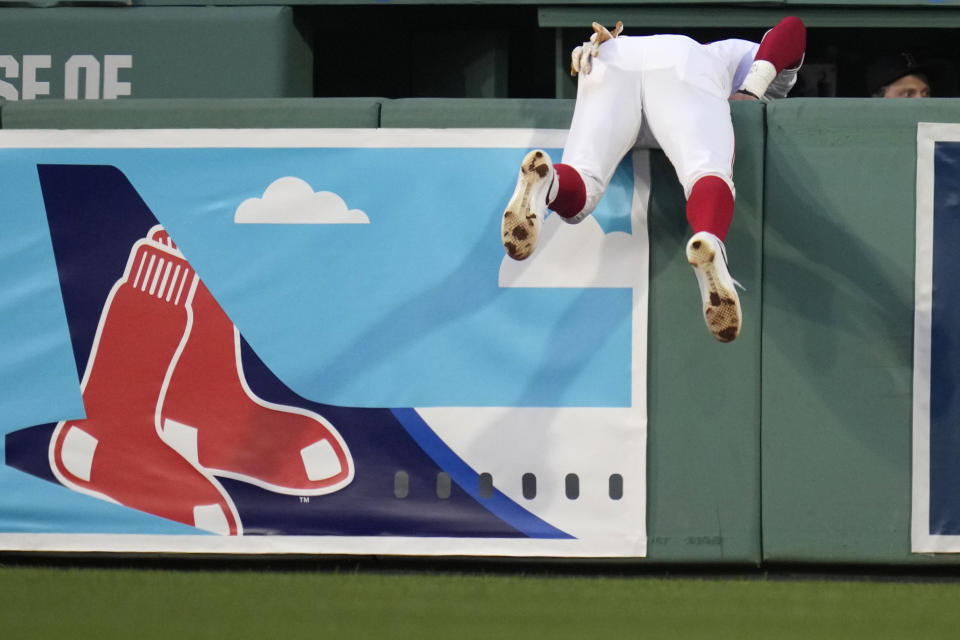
<point x="936" y="507"/>
<point x="311" y="345"/>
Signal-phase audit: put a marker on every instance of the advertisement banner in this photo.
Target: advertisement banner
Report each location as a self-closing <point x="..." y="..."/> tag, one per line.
<point x="936" y="400"/>
<point x="311" y="341"/>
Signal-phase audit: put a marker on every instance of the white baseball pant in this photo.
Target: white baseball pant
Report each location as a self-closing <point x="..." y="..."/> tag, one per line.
<point x="664" y="89"/>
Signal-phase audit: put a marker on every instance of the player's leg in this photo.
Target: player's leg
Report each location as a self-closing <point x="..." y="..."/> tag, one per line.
<point x="690" y="117"/>
<point x="536" y="187"/>
<point x="605" y="125"/>
<point x="707" y="255"/>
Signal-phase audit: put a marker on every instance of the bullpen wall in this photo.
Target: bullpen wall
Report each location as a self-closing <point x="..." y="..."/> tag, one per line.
<point x="149" y="52"/>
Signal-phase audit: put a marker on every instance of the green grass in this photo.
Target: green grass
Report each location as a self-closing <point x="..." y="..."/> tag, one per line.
<point x="141" y="604"/>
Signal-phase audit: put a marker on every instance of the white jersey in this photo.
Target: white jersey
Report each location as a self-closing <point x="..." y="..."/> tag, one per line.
<point x="736" y="56"/>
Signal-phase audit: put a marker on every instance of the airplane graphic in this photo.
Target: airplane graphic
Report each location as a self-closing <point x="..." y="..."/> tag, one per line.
<point x="232" y="410"/>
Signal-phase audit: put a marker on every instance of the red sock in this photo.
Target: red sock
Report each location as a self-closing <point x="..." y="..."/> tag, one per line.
<point x="783" y="46"/>
<point x="213" y="418"/>
<point x="116" y="452"/>
<point x="571" y="192"/>
<point x="710" y="206"/>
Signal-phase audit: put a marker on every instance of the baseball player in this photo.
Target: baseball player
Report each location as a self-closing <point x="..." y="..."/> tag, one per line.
<point x="670" y="92"/>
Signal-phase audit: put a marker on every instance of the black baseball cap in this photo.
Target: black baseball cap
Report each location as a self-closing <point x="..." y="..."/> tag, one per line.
<point x="891" y="68"/>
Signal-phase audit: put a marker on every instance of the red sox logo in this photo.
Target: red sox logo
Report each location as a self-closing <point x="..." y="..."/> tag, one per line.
<point x="169" y="410"/>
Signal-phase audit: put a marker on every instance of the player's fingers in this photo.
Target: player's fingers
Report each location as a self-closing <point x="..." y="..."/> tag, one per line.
<point x="603" y="34"/>
<point x="592" y="47"/>
<point x="575" y="60"/>
<point x="580" y="58"/>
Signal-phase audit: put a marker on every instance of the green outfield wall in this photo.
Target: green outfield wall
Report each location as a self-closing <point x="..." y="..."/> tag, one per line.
<point x="838" y="287"/>
<point x="191" y="113"/>
<point x="792" y="444"/>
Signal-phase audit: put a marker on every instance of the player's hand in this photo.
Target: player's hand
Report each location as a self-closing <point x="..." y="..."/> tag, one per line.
<point x="580" y="56"/>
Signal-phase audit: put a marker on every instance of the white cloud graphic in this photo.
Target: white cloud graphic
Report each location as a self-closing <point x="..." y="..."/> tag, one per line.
<point x="579" y="255"/>
<point x="290" y="200"/>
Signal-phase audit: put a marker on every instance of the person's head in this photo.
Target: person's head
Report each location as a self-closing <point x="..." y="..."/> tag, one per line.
<point x="912" y="85"/>
<point x="898" y="76"/>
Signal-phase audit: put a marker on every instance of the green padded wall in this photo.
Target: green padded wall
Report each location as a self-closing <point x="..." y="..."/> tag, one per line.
<point x="838" y="286"/>
<point x="704" y="485"/>
<point x="704" y="409"/>
<point x="191" y="113"/>
<point x="175" y="52"/>
<point x="703" y="464"/>
<point x="476" y="112"/>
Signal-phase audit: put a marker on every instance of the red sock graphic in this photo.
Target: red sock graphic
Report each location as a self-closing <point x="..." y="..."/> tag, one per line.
<point x="116" y="453"/>
<point x="212" y="417"/>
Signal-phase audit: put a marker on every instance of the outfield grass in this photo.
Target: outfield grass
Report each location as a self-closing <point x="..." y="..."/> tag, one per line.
<point x="141" y="604"/>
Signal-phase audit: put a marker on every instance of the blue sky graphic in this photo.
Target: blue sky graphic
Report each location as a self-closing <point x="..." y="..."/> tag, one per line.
<point x="403" y="311"/>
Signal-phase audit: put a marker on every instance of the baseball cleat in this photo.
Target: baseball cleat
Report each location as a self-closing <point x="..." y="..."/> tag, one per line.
<point x="721" y="304"/>
<point x="528" y="205"/>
